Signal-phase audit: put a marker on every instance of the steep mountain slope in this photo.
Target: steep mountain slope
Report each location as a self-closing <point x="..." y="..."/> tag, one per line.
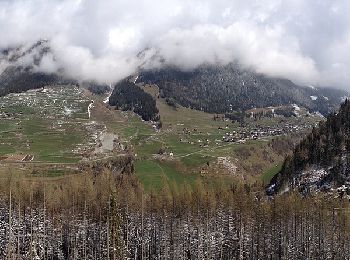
<point x="222" y="89"/>
<point x="322" y="159"/>
<point x="19" y="71"/>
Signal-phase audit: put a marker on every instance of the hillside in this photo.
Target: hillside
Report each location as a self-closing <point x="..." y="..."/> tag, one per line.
<point x="321" y="160"/>
<point x="223" y="89"/>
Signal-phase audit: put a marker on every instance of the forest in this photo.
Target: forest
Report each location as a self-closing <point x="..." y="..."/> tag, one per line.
<point x="108" y="216"/>
<point x="223" y="89"/>
<point x="128" y="96"/>
<point x="19" y="79"/>
<point x="326" y="147"/>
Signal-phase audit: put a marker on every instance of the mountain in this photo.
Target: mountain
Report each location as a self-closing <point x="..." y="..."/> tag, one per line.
<point x="223" y="89"/>
<point x="215" y="89"/>
<point x="19" y="69"/>
<point x="321" y="161"/>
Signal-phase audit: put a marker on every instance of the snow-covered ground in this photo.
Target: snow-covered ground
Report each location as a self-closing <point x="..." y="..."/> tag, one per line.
<point x="136" y="78"/>
<point x="296" y="107"/>
<point x="106" y="100"/>
<point x="313" y="176"/>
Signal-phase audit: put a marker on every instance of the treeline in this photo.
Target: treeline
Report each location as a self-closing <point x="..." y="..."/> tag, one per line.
<point x="128" y="96"/>
<point x="108" y="217"/>
<point x="223" y="89"/>
<point x="96" y="88"/>
<point x="327" y="147"/>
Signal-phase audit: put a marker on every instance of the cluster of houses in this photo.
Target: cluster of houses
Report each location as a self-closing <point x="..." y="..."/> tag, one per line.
<point x="263" y="131"/>
<point x="242" y="134"/>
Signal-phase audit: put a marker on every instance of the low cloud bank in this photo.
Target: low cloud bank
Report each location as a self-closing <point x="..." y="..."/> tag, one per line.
<point x="305" y="41"/>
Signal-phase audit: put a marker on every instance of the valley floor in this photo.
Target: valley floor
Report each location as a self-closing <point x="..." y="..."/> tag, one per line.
<point x="81" y="180"/>
<point x="52" y="130"/>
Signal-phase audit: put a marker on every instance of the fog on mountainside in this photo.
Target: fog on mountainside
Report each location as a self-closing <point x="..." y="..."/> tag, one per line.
<point x="110" y="40"/>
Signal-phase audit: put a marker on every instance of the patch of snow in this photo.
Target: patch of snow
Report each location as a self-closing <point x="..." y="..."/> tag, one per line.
<point x="317" y="113"/>
<point x="326" y="98"/>
<point x="314" y="98"/>
<point x="312" y="87"/>
<point x="136" y="78"/>
<point x="296" y="110"/>
<point x="311" y="177"/>
<point x="296" y="107"/>
<point x="343" y="188"/>
<point x="67" y="111"/>
<point x="89" y="108"/>
<point x="106" y="100"/>
<point x="344" y="98"/>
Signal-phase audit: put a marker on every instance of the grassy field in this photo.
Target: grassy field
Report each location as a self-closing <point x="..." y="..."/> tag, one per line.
<point x="53" y="124"/>
<point x="194" y="141"/>
<point x="153" y="173"/>
<point x="47" y="124"/>
<point x="270" y="173"/>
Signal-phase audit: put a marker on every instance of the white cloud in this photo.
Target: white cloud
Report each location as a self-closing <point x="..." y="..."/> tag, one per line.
<point x="306" y="41"/>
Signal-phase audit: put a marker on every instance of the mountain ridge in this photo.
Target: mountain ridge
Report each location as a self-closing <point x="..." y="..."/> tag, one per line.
<point x="211" y="88"/>
<point x="222" y="89"/>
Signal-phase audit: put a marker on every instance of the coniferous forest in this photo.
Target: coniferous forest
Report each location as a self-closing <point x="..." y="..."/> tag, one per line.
<point x="128" y="96"/>
<point x="325" y="148"/>
<point x="223" y="89"/>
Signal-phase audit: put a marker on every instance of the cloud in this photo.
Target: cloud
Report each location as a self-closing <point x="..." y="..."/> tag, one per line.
<point x="306" y="41"/>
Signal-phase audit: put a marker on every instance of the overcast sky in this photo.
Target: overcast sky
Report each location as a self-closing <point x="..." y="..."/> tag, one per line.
<point x="307" y="41"/>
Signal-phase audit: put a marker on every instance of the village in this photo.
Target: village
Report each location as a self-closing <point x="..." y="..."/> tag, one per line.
<point x="259" y="132"/>
<point x="241" y="134"/>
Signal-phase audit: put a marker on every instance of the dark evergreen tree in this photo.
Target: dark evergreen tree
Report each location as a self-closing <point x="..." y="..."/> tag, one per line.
<point x="128" y="96"/>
